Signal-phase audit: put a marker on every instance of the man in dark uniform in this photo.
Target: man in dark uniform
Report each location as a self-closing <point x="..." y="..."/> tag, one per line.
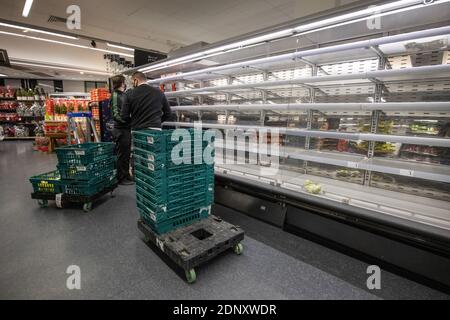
<point x="121" y="131"/>
<point x="145" y="106"/>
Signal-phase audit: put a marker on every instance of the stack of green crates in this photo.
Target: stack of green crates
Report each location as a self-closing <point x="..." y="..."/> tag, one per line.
<point x="87" y="169"/>
<point x="168" y="195"/>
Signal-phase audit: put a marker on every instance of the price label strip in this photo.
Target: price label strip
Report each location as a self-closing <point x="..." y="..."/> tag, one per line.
<point x="58" y="200"/>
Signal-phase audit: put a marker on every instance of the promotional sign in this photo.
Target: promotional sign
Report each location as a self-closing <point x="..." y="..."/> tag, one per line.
<point x="144" y="57"/>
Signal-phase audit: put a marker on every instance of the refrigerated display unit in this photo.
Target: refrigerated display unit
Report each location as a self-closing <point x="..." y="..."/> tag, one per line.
<point x="351" y="110"/>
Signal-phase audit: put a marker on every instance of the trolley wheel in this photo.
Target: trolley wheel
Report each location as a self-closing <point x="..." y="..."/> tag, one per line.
<point x="146" y="239"/>
<point x="87" y="206"/>
<point x="238" y="249"/>
<point x="191" y="276"/>
<point x="43" y="203"/>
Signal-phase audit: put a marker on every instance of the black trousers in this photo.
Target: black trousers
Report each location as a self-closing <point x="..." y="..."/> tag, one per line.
<point x="122" y="139"/>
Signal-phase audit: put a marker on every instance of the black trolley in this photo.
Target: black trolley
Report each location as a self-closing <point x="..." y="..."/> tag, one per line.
<point x="191" y="246"/>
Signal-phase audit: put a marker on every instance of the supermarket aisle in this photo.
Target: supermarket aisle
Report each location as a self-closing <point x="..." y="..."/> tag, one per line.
<point x="37" y="245"/>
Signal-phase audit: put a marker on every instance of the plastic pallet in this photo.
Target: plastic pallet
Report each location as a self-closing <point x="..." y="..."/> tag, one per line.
<point x="47" y="183"/>
<point x="196" y="244"/>
<point x="87" y="172"/>
<point x="85" y="154"/>
<point x="182" y="219"/>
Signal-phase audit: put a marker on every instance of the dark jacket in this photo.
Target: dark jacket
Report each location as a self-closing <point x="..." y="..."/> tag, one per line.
<point x="146" y="107"/>
<point x="116" y="102"/>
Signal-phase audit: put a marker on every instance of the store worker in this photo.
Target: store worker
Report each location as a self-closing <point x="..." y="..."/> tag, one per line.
<point x="145" y="106"/>
<point x="121" y="132"/>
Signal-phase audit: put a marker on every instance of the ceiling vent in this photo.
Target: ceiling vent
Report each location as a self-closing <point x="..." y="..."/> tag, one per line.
<point x="55" y="19"/>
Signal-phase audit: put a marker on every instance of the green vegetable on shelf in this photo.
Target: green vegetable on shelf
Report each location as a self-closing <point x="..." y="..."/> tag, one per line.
<point x="311" y="187"/>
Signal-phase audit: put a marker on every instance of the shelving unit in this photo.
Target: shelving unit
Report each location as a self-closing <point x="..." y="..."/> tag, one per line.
<point x="348" y="111"/>
<point x="15" y="119"/>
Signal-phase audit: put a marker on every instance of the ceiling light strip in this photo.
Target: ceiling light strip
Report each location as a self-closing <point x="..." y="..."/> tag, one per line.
<point x="67" y="44"/>
<point x="58" y="68"/>
<point x="27" y="8"/>
<point x="119" y="47"/>
<point x="37" y="31"/>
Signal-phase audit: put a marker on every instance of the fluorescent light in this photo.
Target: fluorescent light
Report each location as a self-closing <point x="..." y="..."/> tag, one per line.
<point x="3" y="75"/>
<point x="58" y="68"/>
<point x="27" y="8"/>
<point x="378" y="15"/>
<point x="67" y="44"/>
<point x="118" y="47"/>
<point x="25" y="29"/>
<point x="357" y="14"/>
<point x="218" y="50"/>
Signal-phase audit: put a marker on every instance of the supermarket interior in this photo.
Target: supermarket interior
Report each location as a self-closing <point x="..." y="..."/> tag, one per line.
<point x="225" y="150"/>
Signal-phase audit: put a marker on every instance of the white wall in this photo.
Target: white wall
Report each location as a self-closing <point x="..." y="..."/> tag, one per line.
<point x="73" y="86"/>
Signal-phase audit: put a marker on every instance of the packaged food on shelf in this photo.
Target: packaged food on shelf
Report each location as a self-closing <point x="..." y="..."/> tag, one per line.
<point x="7" y="92"/>
<point x="100" y="94"/>
<point x="21" y="131"/>
<point x="8" y="106"/>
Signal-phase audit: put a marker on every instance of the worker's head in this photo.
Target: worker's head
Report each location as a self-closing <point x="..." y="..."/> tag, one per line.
<point x="138" y="79"/>
<point x="118" y="83"/>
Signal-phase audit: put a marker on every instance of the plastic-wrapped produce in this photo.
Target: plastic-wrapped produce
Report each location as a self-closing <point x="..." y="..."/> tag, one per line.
<point x="37" y="110"/>
<point x="24" y="111"/>
<point x="39" y="129"/>
<point x="21" y="131"/>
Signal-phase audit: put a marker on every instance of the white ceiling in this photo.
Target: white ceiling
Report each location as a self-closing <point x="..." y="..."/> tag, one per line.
<point x="165" y="24"/>
<point x="161" y="25"/>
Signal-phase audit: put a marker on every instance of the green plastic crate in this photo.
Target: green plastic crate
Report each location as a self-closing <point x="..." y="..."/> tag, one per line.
<point x="87" y="172"/>
<point x="198" y="197"/>
<point x="172" y="188"/>
<point x="163" y="171"/>
<point x="160" y="141"/>
<point x="92" y="187"/>
<point x="158" y="213"/>
<point x="164" y="160"/>
<point x="47" y="183"/>
<point x="185" y="218"/>
<point x="84" y="154"/>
